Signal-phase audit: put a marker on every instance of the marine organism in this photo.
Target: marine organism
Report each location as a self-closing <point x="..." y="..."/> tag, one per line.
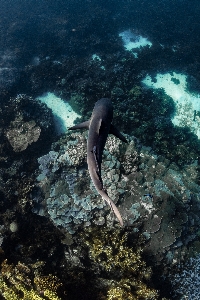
<point x="99" y="127"/>
<point x="119" y="263"/>
<point x="18" y="282"/>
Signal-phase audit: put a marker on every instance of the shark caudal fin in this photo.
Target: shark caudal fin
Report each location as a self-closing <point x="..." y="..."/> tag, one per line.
<point x="85" y="125"/>
<point x="116" y="212"/>
<point x="117" y="133"/>
<point x="112" y="206"/>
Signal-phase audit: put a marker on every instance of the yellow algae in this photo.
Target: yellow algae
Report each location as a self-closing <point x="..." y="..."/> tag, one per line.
<point x="16" y="284"/>
<point x="122" y="263"/>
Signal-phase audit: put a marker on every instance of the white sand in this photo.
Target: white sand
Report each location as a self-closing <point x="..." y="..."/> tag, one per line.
<point x="64" y="116"/>
<point x="185" y="102"/>
<point x="133" y="41"/>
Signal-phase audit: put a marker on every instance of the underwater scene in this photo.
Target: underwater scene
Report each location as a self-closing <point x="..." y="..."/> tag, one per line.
<point x="99" y="150"/>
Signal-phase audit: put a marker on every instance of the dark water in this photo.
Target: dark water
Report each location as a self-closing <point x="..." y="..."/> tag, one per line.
<point x="57" y="58"/>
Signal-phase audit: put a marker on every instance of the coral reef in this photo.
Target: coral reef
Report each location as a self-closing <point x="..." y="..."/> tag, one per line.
<point x="26" y="129"/>
<point x="26" y="126"/>
<point x="155" y="196"/>
<point x="161" y="196"/>
<point x="121" y="262"/>
<point x="21" y="134"/>
<point x="16" y="283"/>
<point x="159" y="202"/>
<point x="70" y="202"/>
<point x="186" y="280"/>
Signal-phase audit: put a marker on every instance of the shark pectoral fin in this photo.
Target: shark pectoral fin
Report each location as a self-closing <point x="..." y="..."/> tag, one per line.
<point x="117" y="133"/>
<point x="85" y="124"/>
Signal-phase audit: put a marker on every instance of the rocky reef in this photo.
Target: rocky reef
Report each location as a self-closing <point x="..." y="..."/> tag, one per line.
<point x="58" y="238"/>
<point x="76" y="237"/>
<point x="103" y="261"/>
<point x="24" y="121"/>
<point x="112" y="254"/>
<point x="186" y="280"/>
<point x="155" y="197"/>
<point x="16" y="283"/>
<point x="158" y="200"/>
<point x="26" y="129"/>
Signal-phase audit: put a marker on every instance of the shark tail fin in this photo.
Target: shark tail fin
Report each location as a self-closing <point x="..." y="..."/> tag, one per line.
<point x="85" y="124"/>
<point x="116" y="212"/>
<point x="112" y="206"/>
<point x="117" y="133"/>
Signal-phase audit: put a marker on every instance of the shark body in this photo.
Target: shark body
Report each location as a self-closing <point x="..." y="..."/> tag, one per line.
<point x="100" y="125"/>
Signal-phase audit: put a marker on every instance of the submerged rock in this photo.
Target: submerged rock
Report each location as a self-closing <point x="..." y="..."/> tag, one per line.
<point x="22" y="134"/>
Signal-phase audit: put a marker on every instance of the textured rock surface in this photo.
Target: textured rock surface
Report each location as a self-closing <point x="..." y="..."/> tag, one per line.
<point x="21" y="134"/>
<point x="24" y="122"/>
<point x="26" y="131"/>
<point x="186" y="281"/>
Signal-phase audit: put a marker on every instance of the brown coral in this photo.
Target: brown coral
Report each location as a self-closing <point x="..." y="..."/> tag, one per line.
<point x="122" y="263"/>
<point x="16" y="283"/>
<point x="21" y="134"/>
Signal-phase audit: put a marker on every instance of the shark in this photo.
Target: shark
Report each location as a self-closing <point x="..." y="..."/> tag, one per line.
<point x="100" y="126"/>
